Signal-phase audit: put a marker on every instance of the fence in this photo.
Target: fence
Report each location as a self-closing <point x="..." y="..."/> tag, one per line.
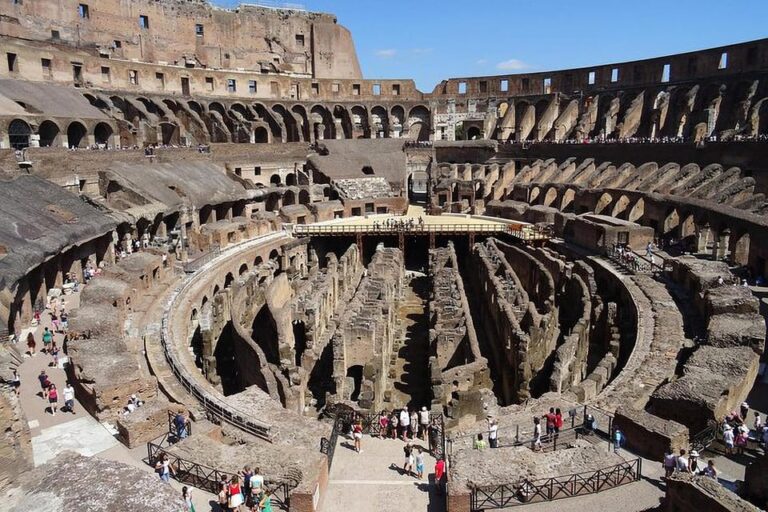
<point x="208" y="478"/>
<point x="199" y="262"/>
<point x="574" y="423"/>
<point x="344" y="418"/>
<point x="549" y="489"/>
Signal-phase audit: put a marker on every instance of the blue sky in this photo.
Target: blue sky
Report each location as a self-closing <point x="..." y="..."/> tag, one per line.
<point x="430" y="40"/>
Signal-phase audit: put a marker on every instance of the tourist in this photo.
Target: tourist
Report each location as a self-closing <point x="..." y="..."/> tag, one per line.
<point x="439" y="475"/>
<point x="408" y="465"/>
<point x="256" y="484"/>
<point x="693" y="463"/>
<point x="550" y="417"/>
<point x="265" y="504"/>
<point x="16" y="382"/>
<point x="383" y="423"/>
<point x="69" y="398"/>
<point x="558" y="420"/>
<point x="479" y="442"/>
<point x="536" y="433"/>
<point x="45" y="383"/>
<point x="740" y="441"/>
<point x="758" y="423"/>
<point x="728" y="439"/>
<point x="433" y="431"/>
<point x="55" y="353"/>
<point x="393" y="425"/>
<point x="710" y="471"/>
<point x="419" y="463"/>
<point x="47" y="339"/>
<point x="414" y="424"/>
<point x="31" y="344"/>
<point x="357" y="435"/>
<point x="423" y="422"/>
<point x="186" y="495"/>
<point x="720" y="280"/>
<point x="164" y="468"/>
<point x="682" y="462"/>
<point x="180" y="422"/>
<point x="223" y="497"/>
<point x="493" y="433"/>
<point x="670" y="461"/>
<point x="235" y="493"/>
<point x="247" y="493"/>
<point x="744" y="409"/>
<point x="405" y="422"/>
<point x="618" y="439"/>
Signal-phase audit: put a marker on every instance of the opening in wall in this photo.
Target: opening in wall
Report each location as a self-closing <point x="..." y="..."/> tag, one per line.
<point x="665" y="73"/>
<point x="462" y="87"/>
<point x="199" y="30"/>
<point x="591" y="78"/>
<point x="83" y="11"/>
<point x="504" y="85"/>
<point x="614" y="75"/>
<point x="723" y="64"/>
<point x="547" y="85"/>
<point x="377" y="89"/>
<point x="143" y="22"/>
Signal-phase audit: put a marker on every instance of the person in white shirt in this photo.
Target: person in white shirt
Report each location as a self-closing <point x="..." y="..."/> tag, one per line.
<point x="69" y="398"/>
<point x="758" y="422"/>
<point x="405" y="422"/>
<point x="493" y="433"/>
<point x="423" y="422"/>
<point x="682" y="462"/>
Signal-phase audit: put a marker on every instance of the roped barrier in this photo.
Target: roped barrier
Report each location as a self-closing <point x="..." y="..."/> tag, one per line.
<point x="217" y="409"/>
<point x="209" y="479"/>
<point x="527" y="491"/>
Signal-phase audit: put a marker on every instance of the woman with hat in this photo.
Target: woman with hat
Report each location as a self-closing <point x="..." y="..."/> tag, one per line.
<point x="728" y="439"/>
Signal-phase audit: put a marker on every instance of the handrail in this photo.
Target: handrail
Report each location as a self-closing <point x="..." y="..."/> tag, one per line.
<point x="215" y="407"/>
<point x="208" y="478"/>
<point x="525" y="233"/>
<point x="554" y="488"/>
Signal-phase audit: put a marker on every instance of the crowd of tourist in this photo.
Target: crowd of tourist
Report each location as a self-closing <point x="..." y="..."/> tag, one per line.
<point x="762" y="137"/>
<point x="392" y="224"/>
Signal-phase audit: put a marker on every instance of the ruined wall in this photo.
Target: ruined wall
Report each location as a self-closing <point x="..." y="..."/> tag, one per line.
<point x="191" y="34"/>
<point x="456" y="363"/>
<point x="362" y="344"/>
<point x="688" y="493"/>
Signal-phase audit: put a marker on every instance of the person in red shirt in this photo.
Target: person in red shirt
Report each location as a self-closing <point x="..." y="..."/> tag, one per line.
<point x="439" y="475"/>
<point x="551" y="418"/>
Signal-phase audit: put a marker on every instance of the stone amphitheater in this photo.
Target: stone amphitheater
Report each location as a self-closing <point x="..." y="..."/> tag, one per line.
<point x="235" y="228"/>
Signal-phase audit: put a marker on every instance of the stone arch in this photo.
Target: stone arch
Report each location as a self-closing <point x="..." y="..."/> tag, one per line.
<point x="688" y="226"/>
<point x="473" y="133"/>
<point x="243" y="269"/>
<point x="671" y="223"/>
<point x="379" y="122"/>
<point x="170" y="134"/>
<point x="275" y="179"/>
<point x="303" y="196"/>
<point x="215" y="106"/>
<point x="49" y="132"/>
<point x="419" y="123"/>
<point x="273" y="202"/>
<point x="292" y="133"/>
<point x="360" y="124"/>
<point x="301" y="112"/>
<point x="566" y="204"/>
<point x="341" y="114"/>
<point x="322" y="123"/>
<point x="228" y="280"/>
<point x="397" y="119"/>
<point x="76" y="135"/>
<point x="533" y="195"/>
<point x="620" y="207"/>
<point x="290" y="179"/>
<point x="289" y="197"/>
<point x="604" y="202"/>
<point x="637" y="211"/>
<point x="550" y="197"/>
<point x="260" y="135"/>
<point x="258" y="261"/>
<point x="265" y="335"/>
<point x="102" y="133"/>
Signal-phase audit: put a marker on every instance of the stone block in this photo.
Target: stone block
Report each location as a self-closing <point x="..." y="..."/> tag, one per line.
<point x="648" y="435"/>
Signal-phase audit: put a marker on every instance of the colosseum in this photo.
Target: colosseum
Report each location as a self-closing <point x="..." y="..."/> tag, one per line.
<point x="235" y="274"/>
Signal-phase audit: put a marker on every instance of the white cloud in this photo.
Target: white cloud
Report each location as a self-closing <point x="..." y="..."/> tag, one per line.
<point x="386" y="53"/>
<point x="512" y="65"/>
<point x="421" y="51"/>
<point x="481" y="62"/>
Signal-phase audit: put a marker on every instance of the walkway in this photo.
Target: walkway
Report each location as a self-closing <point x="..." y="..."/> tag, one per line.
<point x="79" y="432"/>
<point x="412" y="385"/>
<point x="372" y="481"/>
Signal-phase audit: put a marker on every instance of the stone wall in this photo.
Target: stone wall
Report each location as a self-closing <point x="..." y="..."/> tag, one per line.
<point x="688" y="493"/>
<point x="650" y="436"/>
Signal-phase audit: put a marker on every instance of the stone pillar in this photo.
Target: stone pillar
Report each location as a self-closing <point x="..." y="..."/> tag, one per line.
<point x="723" y="239"/>
<point x="702" y="233"/>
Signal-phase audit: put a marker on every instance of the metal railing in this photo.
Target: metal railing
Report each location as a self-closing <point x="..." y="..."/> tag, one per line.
<point x="554" y="488"/>
<point x="701" y="440"/>
<point x="209" y="479"/>
<point x="216" y="409"/>
<point x="527" y="233"/>
<point x="201" y="261"/>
